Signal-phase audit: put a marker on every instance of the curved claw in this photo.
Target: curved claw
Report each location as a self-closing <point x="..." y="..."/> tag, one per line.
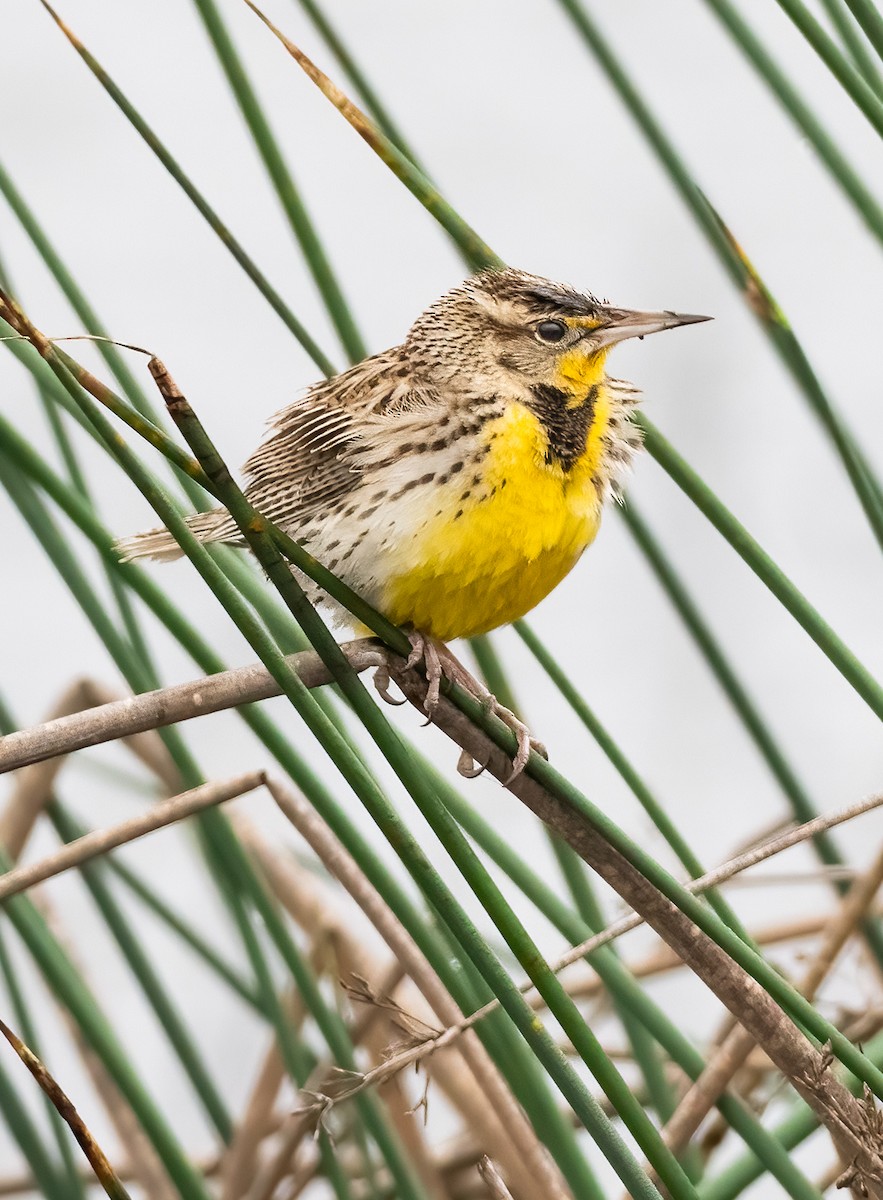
<point x="466" y="766"/>
<point x="381" y="684"/>
<point x="525" y="742"/>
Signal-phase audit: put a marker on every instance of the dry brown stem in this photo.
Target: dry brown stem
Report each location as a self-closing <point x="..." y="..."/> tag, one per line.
<point x="100" y="841"/>
<point x="167" y="706"/>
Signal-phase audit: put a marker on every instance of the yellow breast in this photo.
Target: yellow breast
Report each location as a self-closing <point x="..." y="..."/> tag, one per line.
<point x="488" y="558"/>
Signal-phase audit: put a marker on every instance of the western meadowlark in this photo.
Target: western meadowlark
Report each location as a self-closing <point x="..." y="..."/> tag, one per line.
<point x="454" y="480"/>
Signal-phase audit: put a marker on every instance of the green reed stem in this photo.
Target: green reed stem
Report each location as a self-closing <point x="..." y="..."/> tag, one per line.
<point x="66" y="983"/>
<point x="855" y="44"/>
<point x="642" y="793"/>
<point x="476" y="250"/>
<point x="825" y="144"/>
<point x="166" y="1011"/>
<point x="357" y="77"/>
<point x="197" y="943"/>
<point x="47" y="1174"/>
<point x="299" y="1060"/>
<point x="620" y="982"/>
<point x="796" y="1005"/>
<point x="829" y="52"/>
<point x="764" y="567"/>
<point x="752" y="719"/>
<point x="220" y="838"/>
<point x="202" y="205"/>
<point x="870" y="18"/>
<point x="283" y="182"/>
<point x="573" y="870"/>
<point x="790" y="1133"/>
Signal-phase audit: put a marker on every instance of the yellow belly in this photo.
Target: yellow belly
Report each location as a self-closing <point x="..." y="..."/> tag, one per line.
<point x="482" y="563"/>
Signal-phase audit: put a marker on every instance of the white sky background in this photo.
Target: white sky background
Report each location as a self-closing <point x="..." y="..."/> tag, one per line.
<point x="526" y="138"/>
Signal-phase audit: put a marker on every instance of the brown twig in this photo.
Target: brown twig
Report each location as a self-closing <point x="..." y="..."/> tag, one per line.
<point x="168" y="706"/>
<point x="493" y="1180"/>
<point x="34" y="783"/>
<point x="100" y="841"/>
<point x="98" y="1160"/>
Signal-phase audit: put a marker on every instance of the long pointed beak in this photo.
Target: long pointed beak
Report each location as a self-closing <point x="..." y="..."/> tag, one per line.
<point x="622" y="323"/>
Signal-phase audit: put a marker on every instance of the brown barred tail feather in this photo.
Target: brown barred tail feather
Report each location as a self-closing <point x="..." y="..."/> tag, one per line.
<point x="214" y="526"/>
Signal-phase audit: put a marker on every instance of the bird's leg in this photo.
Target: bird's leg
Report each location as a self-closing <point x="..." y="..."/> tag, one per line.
<point x="440" y="662"/>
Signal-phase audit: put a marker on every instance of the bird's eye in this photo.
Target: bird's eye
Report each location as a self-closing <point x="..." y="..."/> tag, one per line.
<point x="551" y="331"/>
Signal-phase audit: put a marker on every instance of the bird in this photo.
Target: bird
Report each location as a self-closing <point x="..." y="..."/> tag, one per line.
<point x="454" y="480"/>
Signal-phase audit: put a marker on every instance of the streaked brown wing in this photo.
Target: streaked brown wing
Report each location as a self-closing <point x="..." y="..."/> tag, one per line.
<point x="320" y="446"/>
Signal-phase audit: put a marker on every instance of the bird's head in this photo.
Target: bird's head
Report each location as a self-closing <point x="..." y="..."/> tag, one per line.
<point x="504" y="324"/>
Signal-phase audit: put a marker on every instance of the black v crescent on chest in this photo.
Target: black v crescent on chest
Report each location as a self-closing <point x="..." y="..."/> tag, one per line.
<point x="566" y="420"/>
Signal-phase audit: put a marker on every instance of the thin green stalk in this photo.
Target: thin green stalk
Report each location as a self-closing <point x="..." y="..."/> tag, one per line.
<point x="67" y="985"/>
<point x="834" y="649"/>
<point x="823" y="142"/>
<point x="146" y="894"/>
<point x="299" y="1061"/>
<point x="477" y="251"/>
<point x="795" y="1005"/>
<point x="218" y="833"/>
<point x="656" y="811"/>
<point x="871" y="21"/>
<point x="27" y="1137"/>
<point x="660" y="1091"/>
<point x="829" y="52"/>
<point x="269" y="293"/>
<point x="854" y="43"/>
<point x="289" y="197"/>
<point x="337" y="1038"/>
<point x="357" y="77"/>
<point x="69" y="457"/>
<point x="734" y="1179"/>
<point x="91" y="322"/>
<point x="172" y="1024"/>
<point x="573" y="870"/>
<point x="752" y="719"/>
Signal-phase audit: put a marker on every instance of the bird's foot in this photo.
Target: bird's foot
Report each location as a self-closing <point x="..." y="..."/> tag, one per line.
<point x="524" y="741"/>
<point x="439" y="663"/>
